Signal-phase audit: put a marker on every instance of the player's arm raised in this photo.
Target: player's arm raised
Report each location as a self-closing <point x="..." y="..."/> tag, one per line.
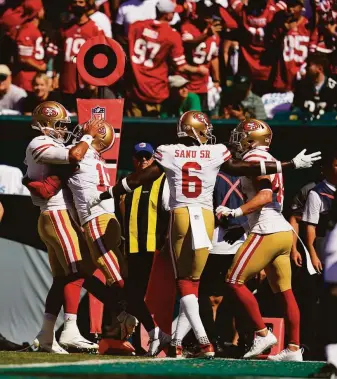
<point x="242" y="168"/>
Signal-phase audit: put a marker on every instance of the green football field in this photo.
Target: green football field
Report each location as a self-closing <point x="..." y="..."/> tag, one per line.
<point x="43" y="366"/>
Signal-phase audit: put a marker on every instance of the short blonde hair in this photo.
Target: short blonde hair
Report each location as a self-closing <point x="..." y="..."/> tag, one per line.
<point x="41" y="75"/>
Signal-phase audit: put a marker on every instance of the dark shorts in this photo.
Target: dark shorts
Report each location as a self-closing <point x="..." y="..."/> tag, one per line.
<point x="212" y="281"/>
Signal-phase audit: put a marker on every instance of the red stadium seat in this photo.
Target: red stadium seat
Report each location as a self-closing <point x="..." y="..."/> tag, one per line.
<point x="277" y="327"/>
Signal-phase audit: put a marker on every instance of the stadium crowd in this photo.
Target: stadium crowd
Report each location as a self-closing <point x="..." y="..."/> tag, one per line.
<point x="231" y="59"/>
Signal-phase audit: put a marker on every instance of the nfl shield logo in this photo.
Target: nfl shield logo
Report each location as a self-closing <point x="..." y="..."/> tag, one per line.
<point x="98" y="113"/>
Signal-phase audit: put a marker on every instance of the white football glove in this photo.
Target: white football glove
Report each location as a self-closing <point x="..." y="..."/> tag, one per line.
<point x="227" y="212"/>
<point x="305" y="161"/>
<point x="93" y="202"/>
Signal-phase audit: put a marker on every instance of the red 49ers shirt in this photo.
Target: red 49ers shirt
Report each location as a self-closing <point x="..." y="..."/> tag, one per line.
<point x="29" y="43"/>
<point x="202" y="54"/>
<point x="153" y="45"/>
<point x="252" y="39"/>
<point x="72" y="40"/>
<point x="297" y="43"/>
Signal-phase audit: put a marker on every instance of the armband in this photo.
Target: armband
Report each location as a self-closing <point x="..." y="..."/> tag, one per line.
<point x="125" y="185"/>
<point x="87" y="138"/>
<point x="278" y="167"/>
<point x="263" y="168"/>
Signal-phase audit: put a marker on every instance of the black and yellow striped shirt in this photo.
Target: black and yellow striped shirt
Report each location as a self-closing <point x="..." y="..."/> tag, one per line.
<point x="145" y="220"/>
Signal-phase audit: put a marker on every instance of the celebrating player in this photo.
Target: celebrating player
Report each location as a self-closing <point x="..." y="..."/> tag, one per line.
<point x="191" y="167"/>
<point x="56" y="226"/>
<point x="269" y="243"/>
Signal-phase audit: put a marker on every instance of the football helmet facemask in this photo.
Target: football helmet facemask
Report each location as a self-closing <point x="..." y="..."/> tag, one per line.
<point x="103" y="140"/>
<point x="50" y="118"/>
<point x="250" y="134"/>
<point x="197" y="126"/>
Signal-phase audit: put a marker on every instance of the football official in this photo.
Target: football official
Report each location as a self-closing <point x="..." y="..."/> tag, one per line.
<point x="145" y="218"/>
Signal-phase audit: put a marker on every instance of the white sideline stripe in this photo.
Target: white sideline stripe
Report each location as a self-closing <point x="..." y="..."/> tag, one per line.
<point x="110" y="361"/>
<point x="79" y="363"/>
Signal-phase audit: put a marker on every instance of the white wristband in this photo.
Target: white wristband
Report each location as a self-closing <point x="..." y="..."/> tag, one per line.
<point x="125" y="185"/>
<point x="238" y="212"/>
<point x="263" y="168"/>
<point x="278" y="167"/>
<point x="87" y="138"/>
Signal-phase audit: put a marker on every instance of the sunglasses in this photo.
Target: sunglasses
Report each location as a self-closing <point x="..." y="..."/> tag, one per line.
<point x="140" y="156"/>
<point x="3" y="77"/>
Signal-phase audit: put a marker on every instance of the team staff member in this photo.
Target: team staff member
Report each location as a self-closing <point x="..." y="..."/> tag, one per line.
<point x="228" y="236"/>
<point x="305" y="285"/>
<point x="317" y="208"/>
<point x="145" y="224"/>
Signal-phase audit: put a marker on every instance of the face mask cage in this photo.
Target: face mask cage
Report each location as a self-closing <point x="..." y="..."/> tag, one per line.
<point x="211" y="139"/>
<point x="59" y="132"/>
<point x="235" y="140"/>
<point x="77" y="133"/>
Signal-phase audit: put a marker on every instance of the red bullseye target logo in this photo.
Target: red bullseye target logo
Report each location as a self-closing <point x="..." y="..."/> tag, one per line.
<point x="101" y="61"/>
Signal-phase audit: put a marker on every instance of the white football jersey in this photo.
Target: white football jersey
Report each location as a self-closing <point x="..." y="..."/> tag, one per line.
<point x="87" y="182"/>
<point x="191" y="172"/>
<point x="269" y="219"/>
<point x="41" y="154"/>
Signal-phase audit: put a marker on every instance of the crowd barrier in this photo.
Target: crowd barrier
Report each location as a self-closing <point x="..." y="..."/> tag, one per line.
<point x="290" y="137"/>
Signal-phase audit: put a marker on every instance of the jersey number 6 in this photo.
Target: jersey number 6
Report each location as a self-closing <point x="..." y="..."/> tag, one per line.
<point x="191" y="184"/>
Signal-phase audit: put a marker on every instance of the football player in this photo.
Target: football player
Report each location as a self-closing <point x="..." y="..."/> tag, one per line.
<point x="268" y="244"/>
<point x="101" y="228"/>
<point x="56" y="226"/>
<point x="46" y="187"/>
<point x="191" y="167"/>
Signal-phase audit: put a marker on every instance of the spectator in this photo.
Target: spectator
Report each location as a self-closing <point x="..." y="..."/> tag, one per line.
<point x="255" y="59"/>
<point x="293" y="40"/>
<point x="101" y="20"/>
<point x="11" y="181"/>
<point x="181" y="99"/>
<point x="11" y="96"/>
<point x="152" y="45"/>
<point x="41" y="92"/>
<point x="104" y="7"/>
<point x="240" y="102"/>
<point x="131" y="11"/>
<point x="201" y="39"/>
<point x="73" y="36"/>
<point x="31" y="51"/>
<point x="317" y="92"/>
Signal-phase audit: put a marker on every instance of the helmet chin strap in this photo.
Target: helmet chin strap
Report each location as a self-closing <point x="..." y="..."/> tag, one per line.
<point x="196" y="136"/>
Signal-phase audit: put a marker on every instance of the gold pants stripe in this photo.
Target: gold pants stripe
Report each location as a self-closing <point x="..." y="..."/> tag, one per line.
<point x="245" y="257"/>
<point x="103" y="236"/>
<point x="109" y="259"/>
<point x="57" y="232"/>
<point x="188" y="263"/>
<point x="270" y="252"/>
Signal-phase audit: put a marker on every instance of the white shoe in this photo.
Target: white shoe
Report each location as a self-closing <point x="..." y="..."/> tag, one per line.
<point x="75" y="342"/>
<point x="156" y="345"/>
<point x="287" y="355"/>
<point x="260" y="344"/>
<point x="42" y="342"/>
